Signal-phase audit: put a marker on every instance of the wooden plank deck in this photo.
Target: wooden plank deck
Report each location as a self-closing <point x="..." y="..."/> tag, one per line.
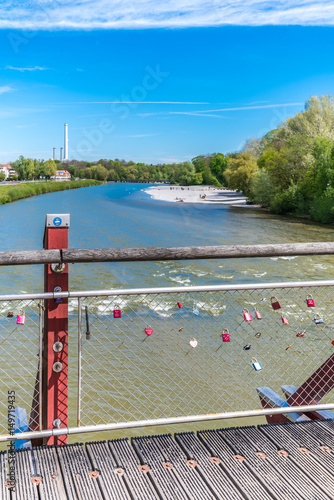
<point x="282" y="461"/>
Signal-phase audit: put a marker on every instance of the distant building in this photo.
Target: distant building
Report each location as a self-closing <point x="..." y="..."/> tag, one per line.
<point x="62" y="175"/>
<point x="8" y="171"/>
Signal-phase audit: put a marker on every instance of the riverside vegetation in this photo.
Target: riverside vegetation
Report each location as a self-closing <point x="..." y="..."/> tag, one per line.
<point x="288" y="170"/>
<point x="13" y="192"/>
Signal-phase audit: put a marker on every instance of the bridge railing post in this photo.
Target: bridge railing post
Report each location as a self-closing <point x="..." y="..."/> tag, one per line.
<point x="55" y="338"/>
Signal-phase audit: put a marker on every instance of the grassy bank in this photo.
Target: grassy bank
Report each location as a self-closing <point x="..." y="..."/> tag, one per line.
<point x="17" y="191"/>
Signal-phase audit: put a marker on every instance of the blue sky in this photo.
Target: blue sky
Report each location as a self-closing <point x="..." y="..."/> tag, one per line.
<point x="192" y="78"/>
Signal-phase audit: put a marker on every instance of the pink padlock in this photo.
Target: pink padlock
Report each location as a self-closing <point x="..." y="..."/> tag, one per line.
<point x="148" y="331"/>
<point x="21" y="317"/>
<point x="247" y="315"/>
<point x="258" y="315"/>
<point x="310" y="301"/>
<point x="284" y="321"/>
<point x="117" y="313"/>
<point x="226" y="335"/>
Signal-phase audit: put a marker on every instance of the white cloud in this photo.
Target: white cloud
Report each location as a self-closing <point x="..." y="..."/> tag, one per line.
<point x="131" y="14"/>
<point x="5" y="89"/>
<point x="34" y="68"/>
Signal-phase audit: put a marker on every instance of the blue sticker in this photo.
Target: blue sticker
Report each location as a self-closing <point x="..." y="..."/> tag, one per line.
<point x="57" y="221"/>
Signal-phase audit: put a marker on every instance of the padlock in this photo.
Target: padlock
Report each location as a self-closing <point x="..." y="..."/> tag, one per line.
<point x="318" y="320"/>
<point x="256" y="365"/>
<point x="247" y="315"/>
<point x="20" y="320"/>
<point x="195" y="310"/>
<point x="310" y="301"/>
<point x="148" y="331"/>
<point x="58" y="300"/>
<point x="301" y="334"/>
<point x="117" y="312"/>
<point x="275" y="303"/>
<point x="179" y="305"/>
<point x="226" y="335"/>
<point x="10" y="314"/>
<point x="332" y="342"/>
<point x="193" y="342"/>
<point x="284" y="320"/>
<point x="247" y="347"/>
<point x="258" y="314"/>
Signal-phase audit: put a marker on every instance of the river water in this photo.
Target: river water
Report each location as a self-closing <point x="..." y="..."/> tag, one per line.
<point x="123" y="215"/>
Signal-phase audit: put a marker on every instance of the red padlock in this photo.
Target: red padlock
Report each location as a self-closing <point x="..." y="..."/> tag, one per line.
<point x="258" y="314"/>
<point x="310" y="301"/>
<point x="275" y="303"/>
<point x="117" y="312"/>
<point x="332" y="342"/>
<point x="247" y="315"/>
<point x="180" y="305"/>
<point x="148" y="331"/>
<point x="284" y="321"/>
<point x="301" y="334"/>
<point x="226" y="335"/>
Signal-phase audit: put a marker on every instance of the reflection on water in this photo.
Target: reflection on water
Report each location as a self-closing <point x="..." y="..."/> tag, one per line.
<point x="122" y="215"/>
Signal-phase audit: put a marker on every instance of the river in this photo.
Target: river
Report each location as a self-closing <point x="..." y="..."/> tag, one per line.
<point x="123" y="215"/>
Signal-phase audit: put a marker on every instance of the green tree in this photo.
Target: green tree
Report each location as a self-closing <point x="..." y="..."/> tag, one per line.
<point x="240" y="172"/>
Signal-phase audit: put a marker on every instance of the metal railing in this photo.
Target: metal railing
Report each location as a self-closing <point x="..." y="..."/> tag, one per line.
<point x="162" y="359"/>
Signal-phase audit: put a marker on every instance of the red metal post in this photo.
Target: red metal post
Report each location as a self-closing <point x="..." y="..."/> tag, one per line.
<point x="316" y="386"/>
<point x="55" y="345"/>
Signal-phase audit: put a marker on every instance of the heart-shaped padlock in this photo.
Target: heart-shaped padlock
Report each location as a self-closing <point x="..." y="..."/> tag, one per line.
<point x="284" y="320"/>
<point x="193" y="342"/>
<point x="148" y="331"/>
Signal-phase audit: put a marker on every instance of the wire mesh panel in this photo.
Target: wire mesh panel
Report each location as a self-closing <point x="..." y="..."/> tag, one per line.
<point x="174" y="354"/>
<point x="19" y="362"/>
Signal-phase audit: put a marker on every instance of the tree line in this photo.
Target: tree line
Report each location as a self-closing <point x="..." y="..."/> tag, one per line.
<point x="288" y="170"/>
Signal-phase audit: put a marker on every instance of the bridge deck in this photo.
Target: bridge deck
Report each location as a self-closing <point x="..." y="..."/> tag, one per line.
<point x="281" y="461"/>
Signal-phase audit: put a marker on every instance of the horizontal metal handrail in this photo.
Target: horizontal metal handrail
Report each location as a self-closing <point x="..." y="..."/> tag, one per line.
<point x="158" y="290"/>
<point x="81" y="255"/>
<point x="163" y="421"/>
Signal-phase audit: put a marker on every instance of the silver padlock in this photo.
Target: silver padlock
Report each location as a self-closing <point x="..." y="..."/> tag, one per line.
<point x="256" y="365"/>
<point x="318" y="320"/>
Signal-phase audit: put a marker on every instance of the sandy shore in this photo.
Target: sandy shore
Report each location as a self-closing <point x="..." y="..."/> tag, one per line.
<point x="197" y="194"/>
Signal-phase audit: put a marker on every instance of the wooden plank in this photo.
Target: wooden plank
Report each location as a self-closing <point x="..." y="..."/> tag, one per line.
<point x="73" y="255"/>
<point x="76" y="469"/>
<point x="24" y="257"/>
<point x="186" y="253"/>
<point x="111" y="477"/>
<point x="47" y="466"/>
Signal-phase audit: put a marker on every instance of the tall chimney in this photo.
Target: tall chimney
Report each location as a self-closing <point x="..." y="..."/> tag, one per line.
<point x="66" y="143"/>
<point x="61" y="154"/>
<point x="54" y="154"/>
